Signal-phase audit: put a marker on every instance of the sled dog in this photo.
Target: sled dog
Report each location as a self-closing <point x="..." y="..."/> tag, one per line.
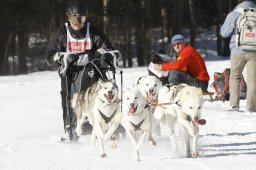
<point x="183" y="104"/>
<point x="149" y="86"/>
<point x="100" y="104"/>
<point x="135" y="118"/>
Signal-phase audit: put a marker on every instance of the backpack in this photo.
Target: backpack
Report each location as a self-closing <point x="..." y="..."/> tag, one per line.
<point x="221" y="85"/>
<point x="246" y="29"/>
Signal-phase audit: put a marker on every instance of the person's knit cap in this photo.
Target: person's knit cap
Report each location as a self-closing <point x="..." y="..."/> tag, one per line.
<point x="178" y="38"/>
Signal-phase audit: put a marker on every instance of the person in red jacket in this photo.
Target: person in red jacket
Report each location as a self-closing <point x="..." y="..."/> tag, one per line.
<point x="189" y="67"/>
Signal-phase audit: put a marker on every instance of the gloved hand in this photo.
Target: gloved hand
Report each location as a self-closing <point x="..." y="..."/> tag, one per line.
<point x="157" y="67"/>
<point x="58" y="57"/>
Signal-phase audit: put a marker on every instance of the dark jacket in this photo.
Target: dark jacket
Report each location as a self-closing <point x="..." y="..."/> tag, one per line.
<point x="58" y="41"/>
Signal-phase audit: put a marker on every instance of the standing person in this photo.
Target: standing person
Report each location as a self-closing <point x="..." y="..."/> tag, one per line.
<point x="189" y="67"/>
<point x="240" y="58"/>
<point x="76" y="36"/>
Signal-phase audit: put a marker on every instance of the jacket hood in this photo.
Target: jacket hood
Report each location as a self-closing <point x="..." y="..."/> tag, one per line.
<point x="246" y="4"/>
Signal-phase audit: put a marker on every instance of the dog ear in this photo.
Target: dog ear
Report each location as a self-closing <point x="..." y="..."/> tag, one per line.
<point x="199" y="91"/>
<point x="138" y="82"/>
<point x="113" y="81"/>
<point x="99" y="85"/>
<point x="156" y="59"/>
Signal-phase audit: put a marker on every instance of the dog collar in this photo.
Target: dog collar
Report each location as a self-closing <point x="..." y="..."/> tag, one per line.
<point x="107" y="119"/>
<point x="137" y="127"/>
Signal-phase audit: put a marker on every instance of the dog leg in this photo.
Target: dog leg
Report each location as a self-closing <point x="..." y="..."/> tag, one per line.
<point x="79" y="125"/>
<point x="150" y="136"/>
<point x="143" y="136"/>
<point x="93" y="138"/>
<point x="134" y="143"/>
<point x="194" y="143"/>
<point x="132" y="138"/>
<point x="99" y="134"/>
<point x="101" y="146"/>
<point x="98" y="129"/>
<point x="189" y="127"/>
<point x="111" y="131"/>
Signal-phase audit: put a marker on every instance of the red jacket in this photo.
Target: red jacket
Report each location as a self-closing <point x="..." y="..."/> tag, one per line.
<point x="189" y="61"/>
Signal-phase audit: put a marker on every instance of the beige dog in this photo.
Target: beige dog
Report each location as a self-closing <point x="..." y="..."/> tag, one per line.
<point x="183" y="104"/>
<point x="100" y="104"/>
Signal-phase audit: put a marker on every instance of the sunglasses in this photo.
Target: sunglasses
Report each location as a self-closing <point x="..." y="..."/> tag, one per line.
<point x="176" y="44"/>
<point x="76" y="19"/>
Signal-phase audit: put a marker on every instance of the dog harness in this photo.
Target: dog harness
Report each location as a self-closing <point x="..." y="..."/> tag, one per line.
<point x="137" y="127"/>
<point x="107" y="119"/>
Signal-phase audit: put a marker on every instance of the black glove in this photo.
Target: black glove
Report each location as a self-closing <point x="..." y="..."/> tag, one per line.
<point x="67" y="61"/>
<point x="156" y="59"/>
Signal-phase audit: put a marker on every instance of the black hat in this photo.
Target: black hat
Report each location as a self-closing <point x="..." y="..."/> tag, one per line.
<point x="76" y="7"/>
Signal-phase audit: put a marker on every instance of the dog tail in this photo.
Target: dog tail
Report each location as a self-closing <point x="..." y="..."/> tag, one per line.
<point x="74" y="100"/>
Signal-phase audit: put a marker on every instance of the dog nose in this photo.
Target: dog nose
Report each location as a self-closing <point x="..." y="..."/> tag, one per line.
<point x="109" y="92"/>
<point x="151" y="90"/>
<point x="195" y="118"/>
<point x="132" y="104"/>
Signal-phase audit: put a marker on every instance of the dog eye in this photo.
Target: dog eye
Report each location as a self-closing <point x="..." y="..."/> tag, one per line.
<point x="128" y="98"/>
<point x="136" y="97"/>
<point x="146" y="84"/>
<point x="105" y="87"/>
<point x="155" y="85"/>
<point x="190" y="107"/>
<point x="199" y="107"/>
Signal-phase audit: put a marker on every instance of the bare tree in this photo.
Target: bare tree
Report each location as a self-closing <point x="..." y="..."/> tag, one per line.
<point x="193" y="22"/>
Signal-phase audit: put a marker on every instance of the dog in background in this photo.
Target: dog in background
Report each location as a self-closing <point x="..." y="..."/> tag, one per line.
<point x="149" y="86"/>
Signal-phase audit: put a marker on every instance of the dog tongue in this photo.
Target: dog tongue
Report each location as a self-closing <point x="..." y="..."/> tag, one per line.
<point x="132" y="110"/>
<point x="201" y="121"/>
<point x="110" y="97"/>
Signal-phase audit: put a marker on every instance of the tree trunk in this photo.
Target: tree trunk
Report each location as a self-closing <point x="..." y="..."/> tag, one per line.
<point x="177" y="21"/>
<point x="6" y="65"/>
<point x="105" y="16"/>
<point x="193" y="22"/>
<point x="218" y="22"/>
<point x="3" y="38"/>
<point x="165" y="23"/>
<point x="22" y="52"/>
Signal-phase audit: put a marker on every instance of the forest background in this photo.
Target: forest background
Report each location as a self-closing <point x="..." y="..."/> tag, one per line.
<point x="137" y="28"/>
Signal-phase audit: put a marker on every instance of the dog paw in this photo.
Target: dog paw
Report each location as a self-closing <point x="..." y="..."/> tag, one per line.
<point x="113" y="146"/>
<point x="138" y="159"/>
<point x="194" y="154"/>
<point x="103" y="155"/>
<point x="153" y="142"/>
<point x="79" y="131"/>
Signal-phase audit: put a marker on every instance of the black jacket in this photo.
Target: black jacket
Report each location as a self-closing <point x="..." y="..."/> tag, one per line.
<point x="58" y="41"/>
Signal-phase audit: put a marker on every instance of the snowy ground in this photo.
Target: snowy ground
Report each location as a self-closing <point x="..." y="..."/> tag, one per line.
<point x="31" y="126"/>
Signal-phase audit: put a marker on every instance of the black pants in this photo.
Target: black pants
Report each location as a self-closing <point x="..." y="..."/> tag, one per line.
<point x="176" y="77"/>
<point x="164" y="80"/>
<point x="77" y="81"/>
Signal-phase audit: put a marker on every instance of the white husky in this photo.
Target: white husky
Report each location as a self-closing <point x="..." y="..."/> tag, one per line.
<point x="184" y="104"/>
<point x="135" y="118"/>
<point x="100" y="104"/>
<point x="149" y="87"/>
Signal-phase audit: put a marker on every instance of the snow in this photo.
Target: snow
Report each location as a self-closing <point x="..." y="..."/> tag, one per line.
<point x="31" y="126"/>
